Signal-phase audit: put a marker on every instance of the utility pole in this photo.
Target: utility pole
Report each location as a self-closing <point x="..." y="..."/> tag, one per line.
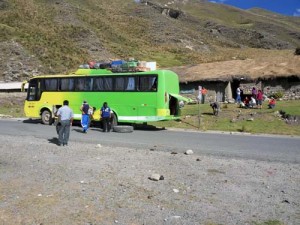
<point x="199" y="114"/>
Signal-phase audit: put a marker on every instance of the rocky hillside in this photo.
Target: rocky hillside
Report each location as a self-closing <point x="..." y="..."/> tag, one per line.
<point x="55" y="36"/>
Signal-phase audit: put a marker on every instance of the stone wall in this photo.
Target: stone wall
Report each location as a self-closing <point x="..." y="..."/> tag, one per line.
<point x="290" y="87"/>
<point x="219" y="90"/>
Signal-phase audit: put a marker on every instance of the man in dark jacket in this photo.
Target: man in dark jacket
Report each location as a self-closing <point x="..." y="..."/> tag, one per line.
<point x="105" y="117"/>
<point x="85" y="117"/>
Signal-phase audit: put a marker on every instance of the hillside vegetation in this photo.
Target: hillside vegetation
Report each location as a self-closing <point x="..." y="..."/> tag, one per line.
<point x="55" y="36"/>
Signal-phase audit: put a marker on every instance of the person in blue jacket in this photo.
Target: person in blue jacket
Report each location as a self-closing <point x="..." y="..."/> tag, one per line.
<point x="85" y="117"/>
<point x="105" y="117"/>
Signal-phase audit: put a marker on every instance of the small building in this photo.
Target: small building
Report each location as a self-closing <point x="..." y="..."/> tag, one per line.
<point x="221" y="79"/>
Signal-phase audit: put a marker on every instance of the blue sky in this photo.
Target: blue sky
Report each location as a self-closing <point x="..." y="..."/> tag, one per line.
<point x="285" y="7"/>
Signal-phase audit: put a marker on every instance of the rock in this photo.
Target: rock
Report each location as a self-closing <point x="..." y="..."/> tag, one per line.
<point x="176" y="190"/>
<point x="99" y="146"/>
<point x="155" y="177"/>
<point x="189" y="152"/>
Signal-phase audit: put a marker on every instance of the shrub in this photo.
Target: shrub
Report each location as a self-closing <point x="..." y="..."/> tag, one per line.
<point x="277" y="95"/>
<point x="297" y="51"/>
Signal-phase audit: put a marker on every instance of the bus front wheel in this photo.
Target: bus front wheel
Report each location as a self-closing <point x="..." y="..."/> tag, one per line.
<point x="46" y="117"/>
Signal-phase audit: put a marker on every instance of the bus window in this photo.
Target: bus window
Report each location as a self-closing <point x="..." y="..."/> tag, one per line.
<point x="67" y="84"/>
<point x="130" y="84"/>
<point x="148" y="83"/>
<point x="50" y="84"/>
<point x="102" y="84"/>
<point x="119" y="83"/>
<point x="31" y="93"/>
<point x="88" y="84"/>
<point x="80" y="84"/>
<point x="124" y="83"/>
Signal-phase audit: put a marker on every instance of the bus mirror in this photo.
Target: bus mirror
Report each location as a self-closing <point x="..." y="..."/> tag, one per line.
<point x="23" y="86"/>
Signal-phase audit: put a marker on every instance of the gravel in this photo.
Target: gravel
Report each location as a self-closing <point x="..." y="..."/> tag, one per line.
<point x="88" y="184"/>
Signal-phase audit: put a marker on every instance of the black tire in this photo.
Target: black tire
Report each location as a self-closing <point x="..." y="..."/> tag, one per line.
<point x="47" y="117"/>
<point x="123" y="129"/>
<point x="114" y="121"/>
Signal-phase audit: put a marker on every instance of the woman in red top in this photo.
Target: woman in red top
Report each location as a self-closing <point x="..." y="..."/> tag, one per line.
<point x="259" y="99"/>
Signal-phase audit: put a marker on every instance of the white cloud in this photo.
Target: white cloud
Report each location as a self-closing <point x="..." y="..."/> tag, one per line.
<point x="297" y="13"/>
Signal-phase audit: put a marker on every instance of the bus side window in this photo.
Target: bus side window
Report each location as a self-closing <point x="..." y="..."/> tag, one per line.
<point x="51" y="84"/>
<point x="102" y="84"/>
<point x="154" y="85"/>
<point x="119" y="83"/>
<point x="79" y="84"/>
<point x="130" y="84"/>
<point x="88" y="84"/>
<point x="67" y="84"/>
<point x="148" y="83"/>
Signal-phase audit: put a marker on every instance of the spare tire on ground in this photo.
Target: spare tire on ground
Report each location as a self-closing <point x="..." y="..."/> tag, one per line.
<point x="123" y="129"/>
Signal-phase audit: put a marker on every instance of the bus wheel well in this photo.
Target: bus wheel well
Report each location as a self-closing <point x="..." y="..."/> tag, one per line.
<point x="46" y="116"/>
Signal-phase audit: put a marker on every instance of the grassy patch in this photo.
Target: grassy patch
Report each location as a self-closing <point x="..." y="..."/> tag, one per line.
<point x="234" y="119"/>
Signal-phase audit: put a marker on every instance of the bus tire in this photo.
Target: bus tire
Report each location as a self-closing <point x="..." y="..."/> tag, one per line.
<point x="114" y="121"/>
<point x="123" y="129"/>
<point x="46" y="117"/>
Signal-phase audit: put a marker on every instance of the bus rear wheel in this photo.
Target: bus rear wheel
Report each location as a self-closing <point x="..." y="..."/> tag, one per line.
<point x="46" y="117"/>
<point x="114" y="121"/>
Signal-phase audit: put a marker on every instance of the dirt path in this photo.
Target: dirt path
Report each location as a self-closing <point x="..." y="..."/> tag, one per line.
<point x="42" y="183"/>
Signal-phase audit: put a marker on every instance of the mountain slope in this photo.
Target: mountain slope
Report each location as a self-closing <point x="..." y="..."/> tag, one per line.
<point x="55" y="36"/>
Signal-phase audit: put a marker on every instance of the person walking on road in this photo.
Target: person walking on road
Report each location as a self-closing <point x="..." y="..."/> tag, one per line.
<point x="65" y="117"/>
<point x="105" y="117"/>
<point x="85" y="117"/>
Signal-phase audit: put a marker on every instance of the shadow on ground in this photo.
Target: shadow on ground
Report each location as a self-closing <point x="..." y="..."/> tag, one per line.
<point x="54" y="140"/>
<point x="147" y="127"/>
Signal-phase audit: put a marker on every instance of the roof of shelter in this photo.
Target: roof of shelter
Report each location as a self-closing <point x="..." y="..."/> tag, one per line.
<point x="249" y="69"/>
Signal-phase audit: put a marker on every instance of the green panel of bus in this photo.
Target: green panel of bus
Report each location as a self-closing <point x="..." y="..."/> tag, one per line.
<point x="134" y="97"/>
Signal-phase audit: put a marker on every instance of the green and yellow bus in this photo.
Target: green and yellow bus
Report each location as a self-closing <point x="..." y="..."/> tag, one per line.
<point x="136" y="97"/>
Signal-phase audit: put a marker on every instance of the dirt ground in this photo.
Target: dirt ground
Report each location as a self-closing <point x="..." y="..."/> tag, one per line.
<point x="89" y="184"/>
<point x="12" y="98"/>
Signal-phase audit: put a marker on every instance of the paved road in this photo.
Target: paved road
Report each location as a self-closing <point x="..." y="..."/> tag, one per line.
<point x="259" y="147"/>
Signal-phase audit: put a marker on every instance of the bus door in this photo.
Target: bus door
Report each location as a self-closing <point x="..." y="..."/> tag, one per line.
<point x="174" y="100"/>
<point x="33" y="96"/>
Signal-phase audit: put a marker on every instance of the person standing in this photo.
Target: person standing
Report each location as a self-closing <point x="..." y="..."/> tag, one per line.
<point x="203" y="92"/>
<point x="252" y="102"/>
<point x="105" y="117"/>
<point x="254" y="93"/>
<point x="259" y="98"/>
<point x="238" y="95"/>
<point x="85" y="117"/>
<point x="65" y="117"/>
